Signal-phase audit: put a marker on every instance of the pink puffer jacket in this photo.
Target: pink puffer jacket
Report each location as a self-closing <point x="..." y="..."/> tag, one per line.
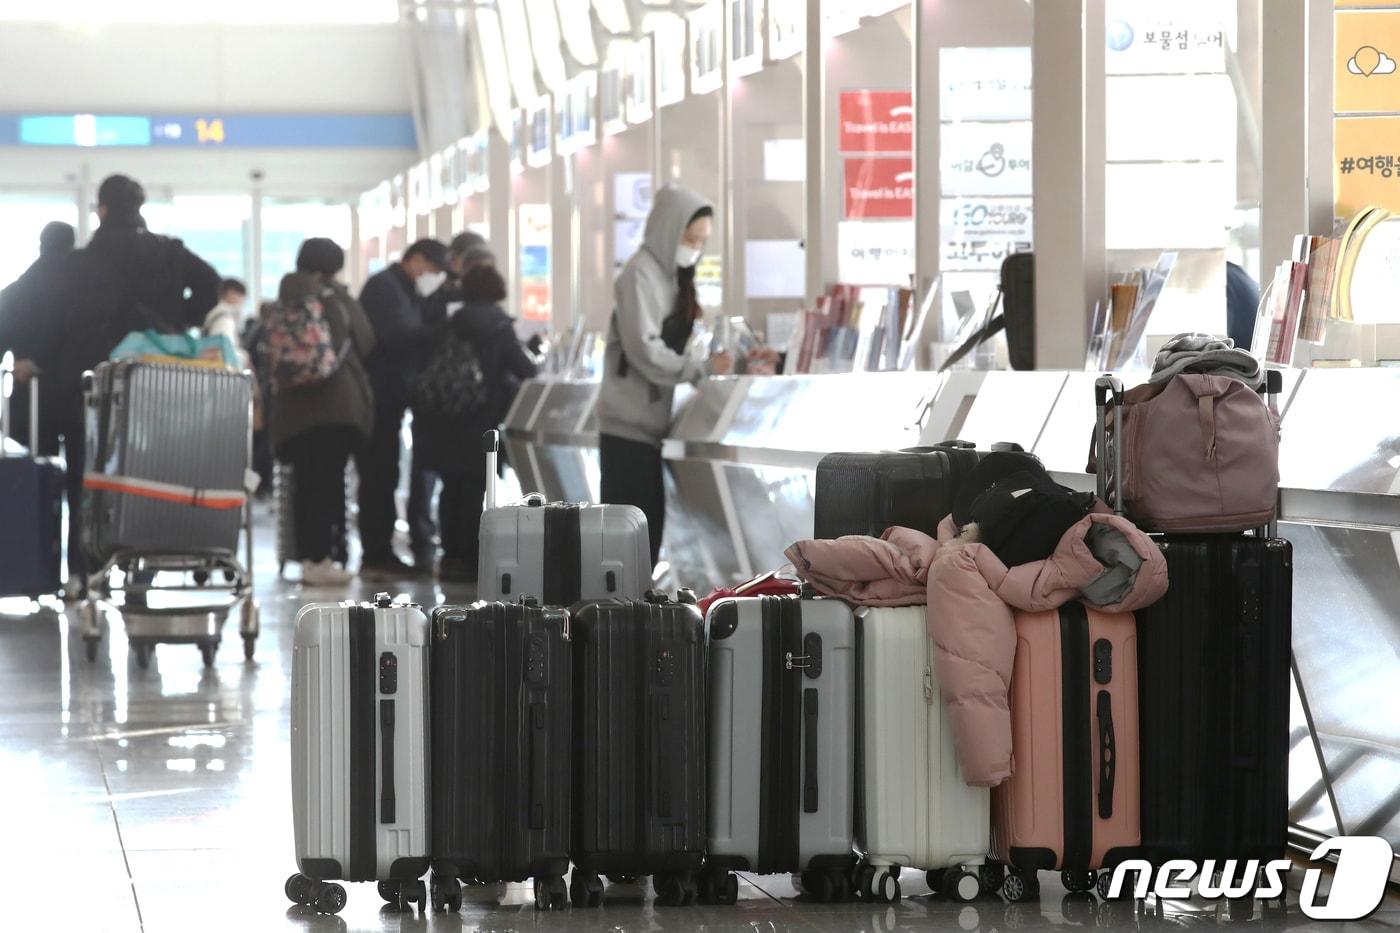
<point x="972" y="598"/>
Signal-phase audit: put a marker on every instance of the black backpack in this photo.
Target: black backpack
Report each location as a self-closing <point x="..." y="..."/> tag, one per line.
<point x="1017" y="297"/>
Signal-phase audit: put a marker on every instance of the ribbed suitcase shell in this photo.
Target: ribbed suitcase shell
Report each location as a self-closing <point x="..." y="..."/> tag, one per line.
<point x="1214" y="669"/>
<point x="184" y="425"/>
<point x="762" y="764"/>
<point x="343" y="828"/>
<point x="1029" y="810"/>
<point x="502" y="742"/>
<point x="522" y="555"/>
<point x="916" y="811"/>
<point x="31" y="501"/>
<point x="865" y="493"/>
<point x="639" y="737"/>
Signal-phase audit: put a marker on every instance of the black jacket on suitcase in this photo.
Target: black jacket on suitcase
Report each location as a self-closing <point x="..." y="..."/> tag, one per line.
<point x="639" y="746"/>
<point x="1214" y="667"/>
<point x="502" y="744"/>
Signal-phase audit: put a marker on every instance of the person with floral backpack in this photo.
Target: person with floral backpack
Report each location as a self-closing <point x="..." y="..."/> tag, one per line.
<point x="315" y="342"/>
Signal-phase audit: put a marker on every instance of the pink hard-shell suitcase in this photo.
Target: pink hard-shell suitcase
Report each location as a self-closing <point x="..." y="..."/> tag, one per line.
<point x="1072" y="802"/>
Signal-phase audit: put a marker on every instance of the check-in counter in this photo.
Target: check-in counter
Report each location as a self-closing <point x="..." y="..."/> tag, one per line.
<point x="743" y="453"/>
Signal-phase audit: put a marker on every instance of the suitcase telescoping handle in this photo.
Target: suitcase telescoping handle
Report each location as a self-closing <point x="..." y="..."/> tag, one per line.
<point x="7" y="385"/>
<point x="491" y="445"/>
<point x="1108" y="391"/>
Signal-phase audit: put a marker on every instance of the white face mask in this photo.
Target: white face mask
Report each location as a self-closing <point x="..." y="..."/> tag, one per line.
<point x="687" y="256"/>
<point x="430" y="282"/>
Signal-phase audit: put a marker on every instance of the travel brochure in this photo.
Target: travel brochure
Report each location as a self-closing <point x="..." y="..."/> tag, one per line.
<point x="855" y="329"/>
<point x="1118" y="327"/>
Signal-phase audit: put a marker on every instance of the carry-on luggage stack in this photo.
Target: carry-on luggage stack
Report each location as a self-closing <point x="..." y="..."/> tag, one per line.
<point x="639" y="747"/>
<point x="913" y="809"/>
<point x="502" y="735"/>
<point x="865" y="493"/>
<point x="1214" y="666"/>
<point x="360" y="678"/>
<point x="782" y="702"/>
<point x="1072" y="804"/>
<point x="31" y="499"/>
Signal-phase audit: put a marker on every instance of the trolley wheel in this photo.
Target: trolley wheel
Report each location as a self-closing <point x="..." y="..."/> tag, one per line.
<point x="201" y="577"/>
<point x="90" y="648"/>
<point x="1077" y="882"/>
<point x="249" y="646"/>
<point x="389" y="891"/>
<point x="1019" y="888"/>
<point x="298" y="888"/>
<point x="884" y="887"/>
<point x="330" y="898"/>
<point x="960" y="885"/>
<point x="207" y="651"/>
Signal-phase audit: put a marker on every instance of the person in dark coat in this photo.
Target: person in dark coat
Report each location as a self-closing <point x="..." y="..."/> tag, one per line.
<point x="394" y="301"/>
<point x="451" y="447"/>
<point x="126" y="279"/>
<point x="31" y="329"/>
<point x="316" y="428"/>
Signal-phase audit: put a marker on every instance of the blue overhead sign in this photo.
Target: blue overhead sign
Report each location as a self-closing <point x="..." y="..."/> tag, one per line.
<point x="259" y="131"/>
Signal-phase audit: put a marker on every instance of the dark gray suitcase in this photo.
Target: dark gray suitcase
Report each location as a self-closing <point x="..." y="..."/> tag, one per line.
<point x="639" y="747"/>
<point x="31" y="500"/>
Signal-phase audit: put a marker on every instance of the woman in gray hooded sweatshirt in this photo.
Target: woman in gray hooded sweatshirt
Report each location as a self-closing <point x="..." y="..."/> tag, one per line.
<point x="649" y="353"/>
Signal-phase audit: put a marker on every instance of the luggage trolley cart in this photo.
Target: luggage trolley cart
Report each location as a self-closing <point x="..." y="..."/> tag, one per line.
<point x="166" y="500"/>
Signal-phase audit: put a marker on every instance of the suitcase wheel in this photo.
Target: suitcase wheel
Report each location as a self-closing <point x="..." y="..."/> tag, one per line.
<point x="1077" y="882"/>
<point x="585" y="890"/>
<point x="1020" y="887"/>
<point x="674" y="889"/>
<point x="717" y="887"/>
<point x="326" y="897"/>
<point x="1105" y="882"/>
<point x="551" y="894"/>
<point x="143" y="655"/>
<point x="957" y="884"/>
<point x="207" y="651"/>
<point x="389" y="891"/>
<point x="445" y="894"/>
<point x="824" y="887"/>
<point x="880" y="884"/>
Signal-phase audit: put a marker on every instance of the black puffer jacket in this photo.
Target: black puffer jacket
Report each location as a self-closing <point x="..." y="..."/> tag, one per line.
<point x="452" y="444"/>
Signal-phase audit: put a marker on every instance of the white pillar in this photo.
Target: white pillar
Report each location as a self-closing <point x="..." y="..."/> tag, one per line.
<point x="255" y="287"/>
<point x="86" y="196"/>
<point x="1321" y="203"/>
<point x="814" y="131"/>
<point x="1283" y="209"/>
<point x="1067" y="60"/>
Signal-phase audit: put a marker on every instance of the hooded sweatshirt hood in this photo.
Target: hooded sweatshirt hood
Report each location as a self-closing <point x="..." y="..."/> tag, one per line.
<point x="671" y="211"/>
<point x="635" y="400"/>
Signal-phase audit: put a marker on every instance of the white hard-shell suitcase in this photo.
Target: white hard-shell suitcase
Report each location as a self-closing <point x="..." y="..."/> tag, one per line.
<point x="360" y="763"/>
<point x="560" y="553"/>
<point x="782" y="743"/>
<point x="913" y="810"/>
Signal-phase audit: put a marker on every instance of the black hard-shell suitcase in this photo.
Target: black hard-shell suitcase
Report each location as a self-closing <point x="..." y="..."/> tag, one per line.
<point x="639" y="746"/>
<point x="865" y="493"/>
<point x="502" y="745"/>
<point x="1214" y="666"/>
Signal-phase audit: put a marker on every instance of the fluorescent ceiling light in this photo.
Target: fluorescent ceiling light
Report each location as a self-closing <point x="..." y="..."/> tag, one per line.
<point x="516" y="29"/>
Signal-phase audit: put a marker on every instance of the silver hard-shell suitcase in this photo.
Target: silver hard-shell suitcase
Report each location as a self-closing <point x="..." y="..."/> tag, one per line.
<point x="560" y="553"/>
<point x="782" y="743"/>
<point x="168" y="448"/>
<point x="360" y="789"/>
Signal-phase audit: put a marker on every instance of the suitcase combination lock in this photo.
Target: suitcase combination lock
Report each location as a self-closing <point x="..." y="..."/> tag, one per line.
<point x="810" y="662"/>
<point x="536" y="660"/>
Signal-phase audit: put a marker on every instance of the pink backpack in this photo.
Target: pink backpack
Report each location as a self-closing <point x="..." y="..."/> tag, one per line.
<point x="1199" y="454"/>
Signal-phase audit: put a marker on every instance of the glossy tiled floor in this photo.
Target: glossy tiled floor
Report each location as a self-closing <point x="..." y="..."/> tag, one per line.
<point x="158" y="800"/>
